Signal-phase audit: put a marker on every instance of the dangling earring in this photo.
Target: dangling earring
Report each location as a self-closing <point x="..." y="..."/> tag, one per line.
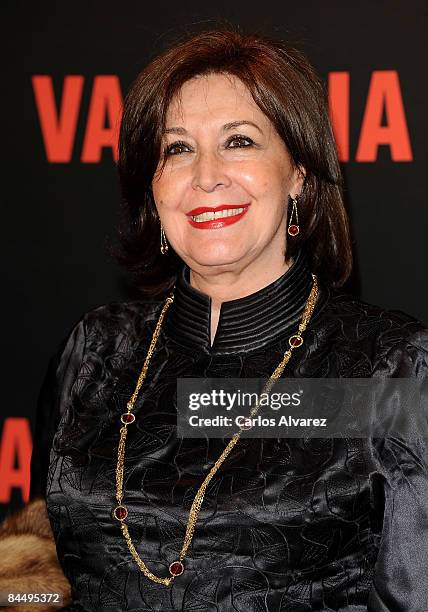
<point x="164" y="244"/>
<point x="293" y="228"/>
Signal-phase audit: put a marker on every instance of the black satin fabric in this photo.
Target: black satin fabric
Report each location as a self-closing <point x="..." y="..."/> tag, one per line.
<point x="288" y="525"/>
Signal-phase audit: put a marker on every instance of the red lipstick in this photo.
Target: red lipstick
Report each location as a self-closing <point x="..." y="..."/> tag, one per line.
<point x="216" y="223"/>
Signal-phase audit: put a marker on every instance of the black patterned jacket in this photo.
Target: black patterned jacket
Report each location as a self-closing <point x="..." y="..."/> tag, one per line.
<point x="288" y="525"/>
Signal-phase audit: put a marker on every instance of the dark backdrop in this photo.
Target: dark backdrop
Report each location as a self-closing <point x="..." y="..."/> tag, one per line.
<point x="60" y="206"/>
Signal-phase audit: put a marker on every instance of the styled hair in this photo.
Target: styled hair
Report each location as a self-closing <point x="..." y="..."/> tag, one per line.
<point x="289" y="92"/>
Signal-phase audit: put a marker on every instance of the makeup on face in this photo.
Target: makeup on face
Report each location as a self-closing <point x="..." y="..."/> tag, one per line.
<point x="207" y="217"/>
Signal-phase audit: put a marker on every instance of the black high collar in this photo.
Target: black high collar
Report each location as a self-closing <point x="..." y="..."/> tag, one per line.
<point x="245" y="324"/>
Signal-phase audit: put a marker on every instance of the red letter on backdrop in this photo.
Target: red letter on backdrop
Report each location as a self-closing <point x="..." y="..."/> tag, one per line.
<point x="384" y="91"/>
<point x="338" y="97"/>
<point x="15" y="449"/>
<point x="58" y="128"/>
<point x="106" y="102"/>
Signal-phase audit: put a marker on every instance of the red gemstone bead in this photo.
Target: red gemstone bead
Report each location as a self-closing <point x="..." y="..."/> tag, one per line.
<point x="120" y="513"/>
<point x="296" y="341"/>
<point x="176" y="568"/>
<point x="127" y="417"/>
<point x="293" y="230"/>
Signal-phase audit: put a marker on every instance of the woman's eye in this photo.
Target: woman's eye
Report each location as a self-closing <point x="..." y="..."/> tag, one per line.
<point x="241" y="140"/>
<point x="170" y="150"/>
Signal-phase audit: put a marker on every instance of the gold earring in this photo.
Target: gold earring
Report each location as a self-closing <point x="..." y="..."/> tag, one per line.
<point x="164" y="244"/>
<point x="293" y="228"/>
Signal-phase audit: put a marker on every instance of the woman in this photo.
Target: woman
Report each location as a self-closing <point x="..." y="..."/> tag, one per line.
<point x="234" y="223"/>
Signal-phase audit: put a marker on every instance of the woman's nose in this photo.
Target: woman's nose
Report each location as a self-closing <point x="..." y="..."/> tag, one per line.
<point x="209" y="171"/>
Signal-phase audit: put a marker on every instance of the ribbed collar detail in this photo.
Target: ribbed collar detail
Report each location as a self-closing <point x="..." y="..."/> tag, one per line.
<point x="245" y="324"/>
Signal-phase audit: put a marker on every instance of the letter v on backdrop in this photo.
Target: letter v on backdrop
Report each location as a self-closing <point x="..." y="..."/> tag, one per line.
<point x="59" y="125"/>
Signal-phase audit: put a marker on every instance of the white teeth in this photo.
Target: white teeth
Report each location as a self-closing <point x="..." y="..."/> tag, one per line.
<point x="210" y="216"/>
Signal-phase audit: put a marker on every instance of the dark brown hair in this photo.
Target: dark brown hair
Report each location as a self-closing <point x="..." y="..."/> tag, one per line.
<point x="287" y="89"/>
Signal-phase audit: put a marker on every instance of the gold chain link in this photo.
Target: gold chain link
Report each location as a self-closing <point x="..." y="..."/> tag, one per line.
<point x="120" y="512"/>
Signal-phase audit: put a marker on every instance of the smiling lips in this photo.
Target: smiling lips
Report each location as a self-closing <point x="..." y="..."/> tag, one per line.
<point x="205" y="217"/>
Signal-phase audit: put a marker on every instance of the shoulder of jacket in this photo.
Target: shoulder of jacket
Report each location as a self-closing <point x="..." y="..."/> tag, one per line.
<point x="120" y="315"/>
<point x="389" y="327"/>
<point x="117" y="308"/>
<point x="347" y="304"/>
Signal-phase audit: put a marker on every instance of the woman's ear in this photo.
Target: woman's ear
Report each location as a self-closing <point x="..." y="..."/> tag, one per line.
<point x="299" y="180"/>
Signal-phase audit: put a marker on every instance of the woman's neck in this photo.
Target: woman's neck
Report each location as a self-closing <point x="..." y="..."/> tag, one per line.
<point x="231" y="285"/>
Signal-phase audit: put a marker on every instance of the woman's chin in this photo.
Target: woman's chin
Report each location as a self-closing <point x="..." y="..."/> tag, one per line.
<point x="216" y="259"/>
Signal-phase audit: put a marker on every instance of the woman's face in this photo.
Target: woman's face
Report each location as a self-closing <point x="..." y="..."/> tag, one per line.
<point x="222" y="151"/>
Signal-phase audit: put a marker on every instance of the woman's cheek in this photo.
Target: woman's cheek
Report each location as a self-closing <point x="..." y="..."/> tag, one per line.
<point x="253" y="173"/>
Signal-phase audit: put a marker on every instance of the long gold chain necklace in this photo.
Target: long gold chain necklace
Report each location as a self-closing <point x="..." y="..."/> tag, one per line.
<point x="120" y="512"/>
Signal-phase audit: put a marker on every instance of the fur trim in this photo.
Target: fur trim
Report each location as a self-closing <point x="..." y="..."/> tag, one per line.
<point x="28" y="558"/>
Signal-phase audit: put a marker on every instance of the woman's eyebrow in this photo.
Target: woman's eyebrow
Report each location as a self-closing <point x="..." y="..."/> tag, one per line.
<point x="234" y="124"/>
<point x="227" y="126"/>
